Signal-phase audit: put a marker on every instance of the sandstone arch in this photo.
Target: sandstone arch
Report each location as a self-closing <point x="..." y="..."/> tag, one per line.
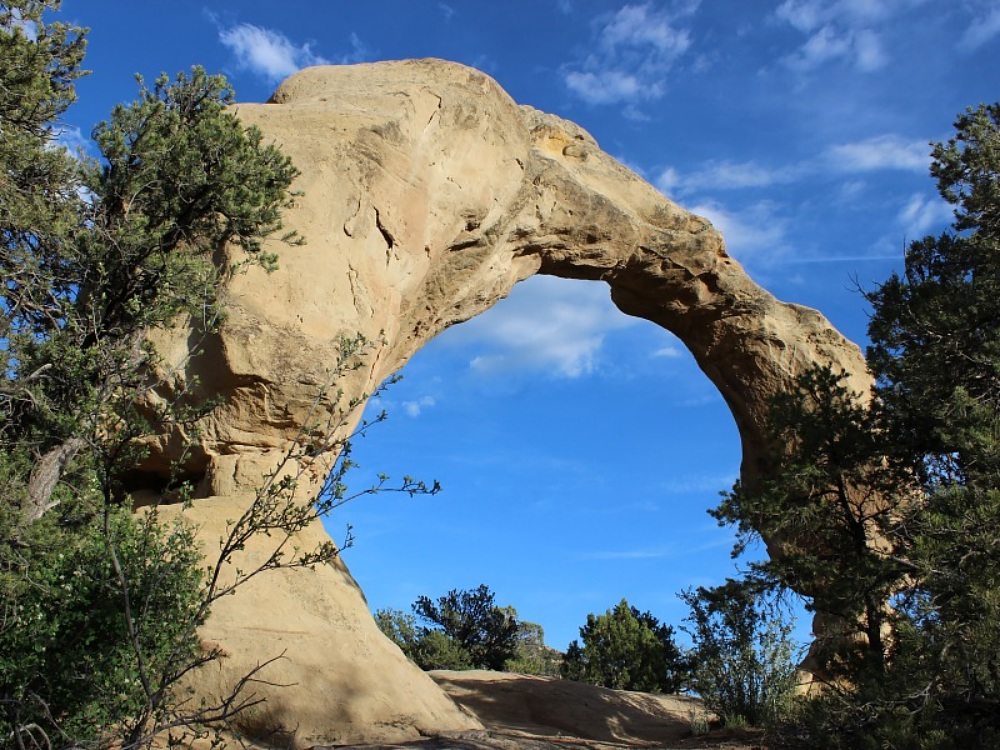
<point x="428" y="194"/>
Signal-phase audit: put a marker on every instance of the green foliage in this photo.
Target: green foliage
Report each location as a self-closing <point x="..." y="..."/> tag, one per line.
<point x="486" y="632"/>
<point x="399" y="627"/>
<point x="625" y="649"/>
<point x="830" y="510"/>
<point x="428" y="648"/>
<point x="935" y="350"/>
<point x="90" y="624"/>
<point x="900" y="502"/>
<point x="180" y="178"/>
<point x="99" y="608"/>
<point x="743" y="666"/>
<point x="966" y="172"/>
<point x="531" y="655"/>
<point x="437" y="650"/>
<point x="466" y="630"/>
<point x="935" y="330"/>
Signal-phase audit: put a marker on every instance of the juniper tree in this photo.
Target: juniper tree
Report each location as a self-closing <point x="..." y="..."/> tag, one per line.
<point x="100" y="607"/>
<point x="899" y="501"/>
<point x="626" y="649"/>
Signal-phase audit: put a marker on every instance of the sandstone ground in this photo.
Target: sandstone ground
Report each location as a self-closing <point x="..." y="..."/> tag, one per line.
<point x="544" y="713"/>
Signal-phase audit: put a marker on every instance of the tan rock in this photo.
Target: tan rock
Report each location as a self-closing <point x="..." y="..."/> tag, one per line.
<point x="428" y="193"/>
<point x="332" y="678"/>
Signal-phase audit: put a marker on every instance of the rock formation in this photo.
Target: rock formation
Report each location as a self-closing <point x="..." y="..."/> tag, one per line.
<point x="427" y="195"/>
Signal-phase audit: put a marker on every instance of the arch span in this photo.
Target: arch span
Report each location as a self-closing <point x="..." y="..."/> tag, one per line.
<point x="428" y="193"/>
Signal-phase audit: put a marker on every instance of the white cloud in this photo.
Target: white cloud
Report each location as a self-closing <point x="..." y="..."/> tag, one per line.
<point x="879" y="152"/>
<point x="845" y="30"/>
<point x="447" y="11"/>
<point x="809" y="15"/>
<point x="609" y="86"/>
<point x="921" y="214"/>
<point x="414" y="408"/>
<point x="862" y="48"/>
<point x="634" y="26"/>
<point x="804" y="16"/>
<point x="71" y="138"/>
<point x="981" y="31"/>
<point x="882" y="152"/>
<point x="755" y="232"/>
<point x="636" y="554"/>
<point x="669" y="351"/>
<point x="850" y="191"/>
<point x="268" y="53"/>
<point x="715" y="175"/>
<point x="869" y="52"/>
<point x="668" y="180"/>
<point x="547" y="324"/>
<point x="636" y="48"/>
<point x="823" y="46"/>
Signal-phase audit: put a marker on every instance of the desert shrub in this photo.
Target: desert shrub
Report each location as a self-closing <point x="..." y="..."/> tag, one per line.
<point x="743" y="666"/>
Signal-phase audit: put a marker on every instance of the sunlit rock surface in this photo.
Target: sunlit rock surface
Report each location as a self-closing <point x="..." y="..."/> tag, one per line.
<point x="427" y="195"/>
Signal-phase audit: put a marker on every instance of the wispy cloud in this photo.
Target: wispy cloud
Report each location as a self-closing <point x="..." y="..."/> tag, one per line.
<point x="715" y="539"/>
<point x="727" y="175"/>
<point x="921" y="215"/>
<point x="708" y="485"/>
<point x="879" y="152"/>
<point x="636" y="47"/>
<point x="447" y="11"/>
<point x="670" y="351"/>
<point x="611" y="86"/>
<point x="753" y="232"/>
<point x="884" y="152"/>
<point x="267" y="53"/>
<point x="842" y="30"/>
<point x="636" y="554"/>
<point x="861" y="48"/>
<point x="982" y="30"/>
<point x="547" y="324"/>
<point x="72" y="139"/>
<point x="416" y="407"/>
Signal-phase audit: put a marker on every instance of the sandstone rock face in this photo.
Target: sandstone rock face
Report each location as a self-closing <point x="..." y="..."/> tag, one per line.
<point x="427" y="195"/>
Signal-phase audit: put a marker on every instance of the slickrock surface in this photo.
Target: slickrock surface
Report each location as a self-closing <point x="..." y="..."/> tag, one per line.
<point x="521" y="712"/>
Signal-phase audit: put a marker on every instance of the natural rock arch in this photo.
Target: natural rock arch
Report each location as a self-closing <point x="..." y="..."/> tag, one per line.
<point x="428" y="193"/>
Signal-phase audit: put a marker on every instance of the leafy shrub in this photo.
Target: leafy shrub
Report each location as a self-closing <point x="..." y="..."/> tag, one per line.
<point x="742" y="660"/>
<point x="93" y="606"/>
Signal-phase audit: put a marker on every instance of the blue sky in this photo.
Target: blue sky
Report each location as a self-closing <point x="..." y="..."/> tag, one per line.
<point x="579" y="448"/>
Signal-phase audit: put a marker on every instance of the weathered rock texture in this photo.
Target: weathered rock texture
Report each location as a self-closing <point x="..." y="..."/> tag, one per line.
<point x="428" y="194"/>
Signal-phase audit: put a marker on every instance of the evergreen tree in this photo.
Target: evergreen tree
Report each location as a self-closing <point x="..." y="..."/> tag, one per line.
<point x="898" y="501"/>
<point x="833" y="512"/>
<point x="935" y="350"/>
<point x="486" y="632"/>
<point x="99" y="608"/>
<point x="626" y="649"/>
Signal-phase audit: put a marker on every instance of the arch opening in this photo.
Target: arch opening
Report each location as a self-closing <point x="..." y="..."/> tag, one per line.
<point x="579" y="450"/>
